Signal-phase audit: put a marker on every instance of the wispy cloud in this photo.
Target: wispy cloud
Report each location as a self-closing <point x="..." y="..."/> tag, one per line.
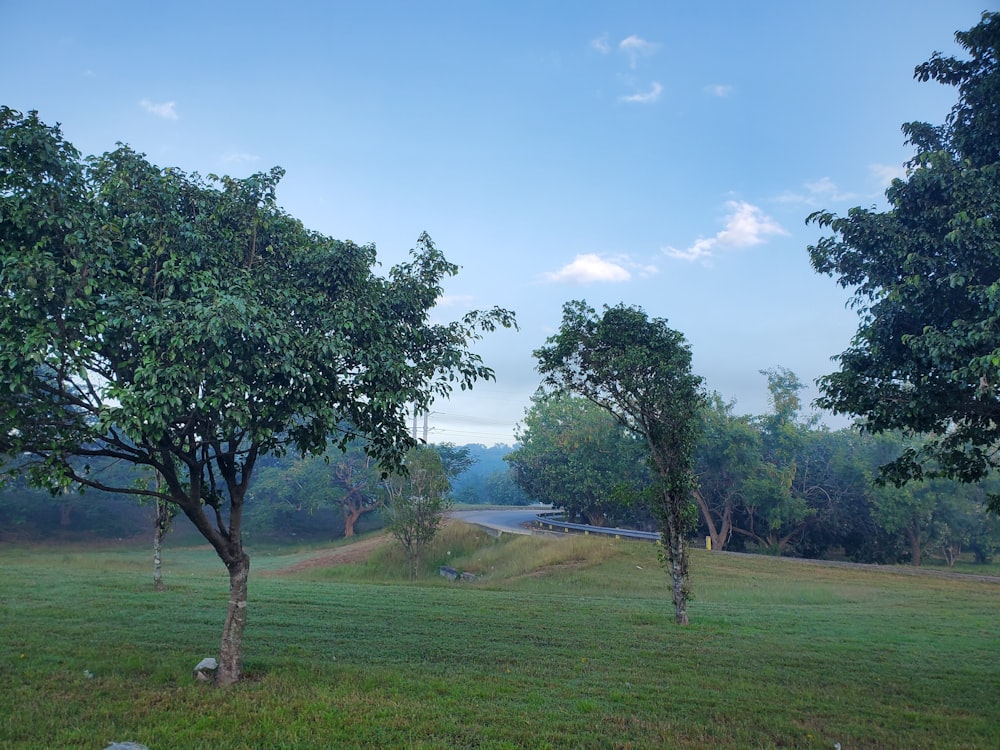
<point x="635" y="47"/>
<point x="823" y="190"/>
<point x="239" y="157"/>
<point x="885" y="173"/>
<point x="455" y="300"/>
<point x="746" y="225"/>
<point x="721" y="90"/>
<point x="166" y="110"/>
<point x="589" y="268"/>
<point x="600" y="44"/>
<point x="645" y="97"/>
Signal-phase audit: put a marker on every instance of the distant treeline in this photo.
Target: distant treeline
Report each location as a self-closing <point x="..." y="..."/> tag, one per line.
<point x="775" y="483"/>
<point x="292" y="498"/>
<point x="779" y="483"/>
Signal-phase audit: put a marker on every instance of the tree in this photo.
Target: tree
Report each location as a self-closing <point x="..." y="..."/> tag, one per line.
<point x="775" y="495"/>
<point x="191" y="326"/>
<point x="639" y="370"/>
<point x="418" y="501"/>
<point x="727" y="458"/>
<point x="574" y="454"/>
<point x="349" y="481"/>
<point x="925" y="276"/>
<point x="455" y="459"/>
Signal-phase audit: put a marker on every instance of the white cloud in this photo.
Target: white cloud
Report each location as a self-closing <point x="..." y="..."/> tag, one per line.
<point x="588" y="268"/>
<point x="239" y="157"/>
<point x="166" y="110"/>
<point x="636" y="47"/>
<point x="823" y="190"/>
<point x="721" y="90"/>
<point x="601" y="44"/>
<point x="455" y="300"/>
<point x="645" y="97"/>
<point x="745" y="226"/>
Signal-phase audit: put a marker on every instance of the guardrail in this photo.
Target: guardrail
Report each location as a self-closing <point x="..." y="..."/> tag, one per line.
<point x="546" y="521"/>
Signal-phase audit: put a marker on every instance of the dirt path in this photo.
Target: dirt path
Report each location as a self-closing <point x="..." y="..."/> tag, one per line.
<point x="354" y="552"/>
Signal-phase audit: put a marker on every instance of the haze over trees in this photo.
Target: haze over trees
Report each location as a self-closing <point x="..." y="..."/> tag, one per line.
<point x="346" y="481"/>
<point x="189" y="325"/>
<point x="925" y="275"/>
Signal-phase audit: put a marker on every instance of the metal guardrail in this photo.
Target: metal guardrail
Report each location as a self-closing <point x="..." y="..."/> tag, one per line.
<point x="546" y="521"/>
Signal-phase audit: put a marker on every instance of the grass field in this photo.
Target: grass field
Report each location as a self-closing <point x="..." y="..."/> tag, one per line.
<point x="564" y="643"/>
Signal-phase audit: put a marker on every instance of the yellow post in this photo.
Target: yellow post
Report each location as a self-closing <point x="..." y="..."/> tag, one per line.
<point x="708" y="542"/>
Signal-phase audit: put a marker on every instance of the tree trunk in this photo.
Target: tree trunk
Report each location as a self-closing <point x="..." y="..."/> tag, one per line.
<point x="161" y="525"/>
<point x="158" y="584"/>
<point x="720" y="535"/>
<point x="678" y="580"/>
<point x="350" y="518"/>
<point x="677" y="555"/>
<point x="231" y="652"/>
<point x="916" y="548"/>
<point x="951" y="553"/>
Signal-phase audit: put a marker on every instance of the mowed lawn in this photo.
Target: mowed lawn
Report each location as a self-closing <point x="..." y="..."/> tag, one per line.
<point x="561" y="643"/>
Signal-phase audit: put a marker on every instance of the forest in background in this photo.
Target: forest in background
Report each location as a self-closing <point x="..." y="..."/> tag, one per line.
<point x="778" y="483"/>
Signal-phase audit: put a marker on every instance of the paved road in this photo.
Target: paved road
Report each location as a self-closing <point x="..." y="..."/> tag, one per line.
<point x="507" y="520"/>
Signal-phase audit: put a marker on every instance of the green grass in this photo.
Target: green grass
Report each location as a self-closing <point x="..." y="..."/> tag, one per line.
<point x="564" y="643"/>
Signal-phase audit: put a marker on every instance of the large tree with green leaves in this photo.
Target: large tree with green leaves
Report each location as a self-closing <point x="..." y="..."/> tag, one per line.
<point x="574" y="454"/>
<point x="925" y="275"/>
<point x="639" y="370"/>
<point x="191" y="326"/>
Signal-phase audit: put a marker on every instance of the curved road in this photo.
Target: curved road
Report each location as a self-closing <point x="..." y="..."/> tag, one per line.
<point x="507" y="520"/>
<point x="514" y="520"/>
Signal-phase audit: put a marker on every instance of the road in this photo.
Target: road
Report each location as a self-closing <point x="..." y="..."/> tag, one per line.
<point x="507" y="520"/>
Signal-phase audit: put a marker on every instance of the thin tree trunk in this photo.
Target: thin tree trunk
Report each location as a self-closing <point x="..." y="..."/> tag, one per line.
<point x="161" y="525"/>
<point x="231" y="652"/>
<point x="677" y="555"/>
<point x="916" y="548"/>
<point x="678" y="578"/>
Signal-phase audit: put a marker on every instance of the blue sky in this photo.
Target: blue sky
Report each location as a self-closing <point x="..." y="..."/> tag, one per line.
<point x="663" y="154"/>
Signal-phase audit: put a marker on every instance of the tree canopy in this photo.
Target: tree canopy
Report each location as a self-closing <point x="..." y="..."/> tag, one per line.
<point x="190" y="325"/>
<point x="639" y="370"/>
<point x="574" y="454"/>
<point x="925" y="275"/>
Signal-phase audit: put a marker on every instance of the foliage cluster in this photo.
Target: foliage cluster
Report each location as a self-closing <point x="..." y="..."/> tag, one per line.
<point x="925" y="278"/>
<point x="778" y="483"/>
<point x="189" y="326"/>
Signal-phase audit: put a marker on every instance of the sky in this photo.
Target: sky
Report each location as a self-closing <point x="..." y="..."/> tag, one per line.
<point x="661" y="154"/>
